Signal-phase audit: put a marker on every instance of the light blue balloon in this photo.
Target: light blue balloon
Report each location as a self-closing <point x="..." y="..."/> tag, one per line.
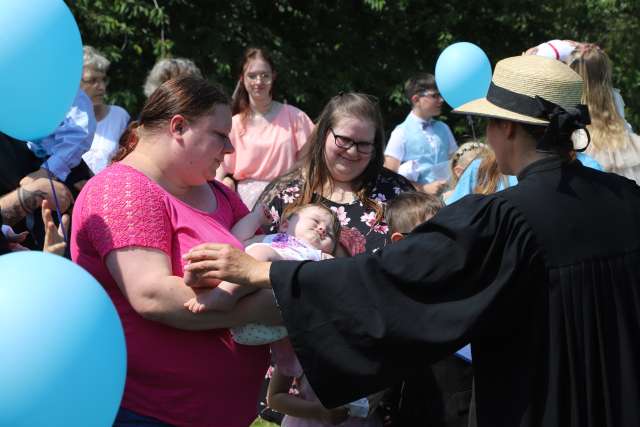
<point x="62" y="348"/>
<point x="463" y="73"/>
<point x="40" y="66"/>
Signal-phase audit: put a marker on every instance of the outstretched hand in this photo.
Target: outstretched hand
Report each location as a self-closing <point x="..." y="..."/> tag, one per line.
<point x="224" y="262"/>
<point x="54" y="237"/>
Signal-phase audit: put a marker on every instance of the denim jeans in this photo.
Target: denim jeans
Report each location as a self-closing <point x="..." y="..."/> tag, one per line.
<point x="127" y="418"/>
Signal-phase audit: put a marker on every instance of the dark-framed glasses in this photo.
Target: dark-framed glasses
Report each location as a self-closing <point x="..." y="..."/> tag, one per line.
<point x="363" y="147"/>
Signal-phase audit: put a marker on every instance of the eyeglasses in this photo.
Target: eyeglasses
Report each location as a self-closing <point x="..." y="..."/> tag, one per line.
<point x="263" y="77"/>
<point x="432" y="95"/>
<point x="363" y="147"/>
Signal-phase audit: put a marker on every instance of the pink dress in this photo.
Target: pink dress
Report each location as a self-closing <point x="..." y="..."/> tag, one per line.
<point x="185" y="378"/>
<point x="289" y="365"/>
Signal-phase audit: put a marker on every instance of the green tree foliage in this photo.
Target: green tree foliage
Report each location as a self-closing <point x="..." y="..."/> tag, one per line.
<point x="322" y="48"/>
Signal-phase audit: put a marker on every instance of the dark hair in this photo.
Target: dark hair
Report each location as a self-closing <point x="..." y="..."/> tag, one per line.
<point x="291" y="210"/>
<point x="409" y="209"/>
<point x="190" y="96"/>
<point x="314" y="166"/>
<point x="419" y="83"/>
<point x="562" y="146"/>
<point x="240" y="97"/>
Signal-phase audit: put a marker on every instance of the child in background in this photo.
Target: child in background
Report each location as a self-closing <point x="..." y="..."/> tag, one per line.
<point x="420" y="147"/>
<point x="441" y="394"/>
<point x="307" y="232"/>
<point x="461" y="159"/>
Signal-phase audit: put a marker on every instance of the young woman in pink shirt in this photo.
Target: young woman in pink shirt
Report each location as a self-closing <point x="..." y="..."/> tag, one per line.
<point x="267" y="135"/>
<point x="132" y="224"/>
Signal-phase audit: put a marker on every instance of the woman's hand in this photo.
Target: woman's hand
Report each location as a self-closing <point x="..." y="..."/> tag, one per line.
<point x="224" y="262"/>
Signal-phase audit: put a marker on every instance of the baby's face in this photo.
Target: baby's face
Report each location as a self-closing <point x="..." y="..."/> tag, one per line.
<point x="313" y="225"/>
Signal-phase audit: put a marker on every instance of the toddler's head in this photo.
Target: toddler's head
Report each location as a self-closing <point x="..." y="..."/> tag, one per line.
<point x="314" y="224"/>
<point x="463" y="156"/>
<point x="408" y="210"/>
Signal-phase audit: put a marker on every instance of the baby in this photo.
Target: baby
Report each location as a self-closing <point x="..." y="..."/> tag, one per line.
<point x="307" y="232"/>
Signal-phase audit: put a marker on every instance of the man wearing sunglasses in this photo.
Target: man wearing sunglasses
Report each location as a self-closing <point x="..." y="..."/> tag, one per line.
<point x="420" y="147"/>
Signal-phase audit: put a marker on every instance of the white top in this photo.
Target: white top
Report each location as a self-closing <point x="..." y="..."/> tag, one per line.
<point x="105" y="141"/>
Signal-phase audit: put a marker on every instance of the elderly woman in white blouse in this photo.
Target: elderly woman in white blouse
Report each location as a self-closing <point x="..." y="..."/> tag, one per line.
<point x="112" y="120"/>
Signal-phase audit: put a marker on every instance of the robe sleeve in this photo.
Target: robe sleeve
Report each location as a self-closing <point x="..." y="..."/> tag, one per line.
<point x="361" y="324"/>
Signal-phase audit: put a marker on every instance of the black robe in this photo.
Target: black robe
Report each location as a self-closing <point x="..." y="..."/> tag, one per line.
<point x="543" y="279"/>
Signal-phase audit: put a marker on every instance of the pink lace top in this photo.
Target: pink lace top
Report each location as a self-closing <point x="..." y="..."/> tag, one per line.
<point x="186" y="378"/>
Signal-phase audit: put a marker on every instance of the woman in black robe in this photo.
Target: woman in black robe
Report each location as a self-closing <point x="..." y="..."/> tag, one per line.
<point x="543" y="279"/>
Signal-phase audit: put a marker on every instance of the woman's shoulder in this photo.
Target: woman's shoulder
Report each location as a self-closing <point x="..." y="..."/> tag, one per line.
<point x="118" y="183"/>
<point x="296" y="114"/>
<point x="292" y="110"/>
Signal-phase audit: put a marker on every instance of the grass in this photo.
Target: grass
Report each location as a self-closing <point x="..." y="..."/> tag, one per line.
<point x="259" y="422"/>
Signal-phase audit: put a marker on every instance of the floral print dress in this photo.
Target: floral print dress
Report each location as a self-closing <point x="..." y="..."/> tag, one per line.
<point x="360" y="230"/>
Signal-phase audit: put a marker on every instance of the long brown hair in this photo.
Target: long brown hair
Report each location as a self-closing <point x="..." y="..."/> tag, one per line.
<point x="607" y="128"/>
<point x="315" y="172"/>
<point x="190" y="96"/>
<point x="240" y="97"/>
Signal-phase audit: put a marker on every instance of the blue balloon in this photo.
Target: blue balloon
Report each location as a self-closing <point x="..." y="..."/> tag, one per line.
<point x="463" y="73"/>
<point x="62" y="348"/>
<point x="40" y="66"/>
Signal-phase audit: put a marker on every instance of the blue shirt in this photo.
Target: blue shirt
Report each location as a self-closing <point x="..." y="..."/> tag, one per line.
<point x="429" y="143"/>
<point x="63" y="149"/>
<point x="469" y="178"/>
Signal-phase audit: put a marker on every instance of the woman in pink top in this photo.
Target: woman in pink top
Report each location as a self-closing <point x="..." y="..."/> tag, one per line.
<point x="267" y="135"/>
<point x="132" y="224"/>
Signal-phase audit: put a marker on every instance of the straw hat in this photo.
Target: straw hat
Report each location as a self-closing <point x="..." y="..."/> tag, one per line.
<point x="515" y="84"/>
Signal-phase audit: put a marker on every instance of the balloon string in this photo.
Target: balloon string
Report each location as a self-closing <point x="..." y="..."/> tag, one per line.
<point x="55" y="200"/>
<point x="473" y="128"/>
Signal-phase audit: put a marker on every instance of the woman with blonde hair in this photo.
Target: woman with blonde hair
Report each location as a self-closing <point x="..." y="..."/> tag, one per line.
<point x="613" y="143"/>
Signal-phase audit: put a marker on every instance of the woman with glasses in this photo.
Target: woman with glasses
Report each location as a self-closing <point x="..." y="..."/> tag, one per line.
<point x="111" y="119"/>
<point x="343" y="169"/>
<point x="267" y="135"/>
